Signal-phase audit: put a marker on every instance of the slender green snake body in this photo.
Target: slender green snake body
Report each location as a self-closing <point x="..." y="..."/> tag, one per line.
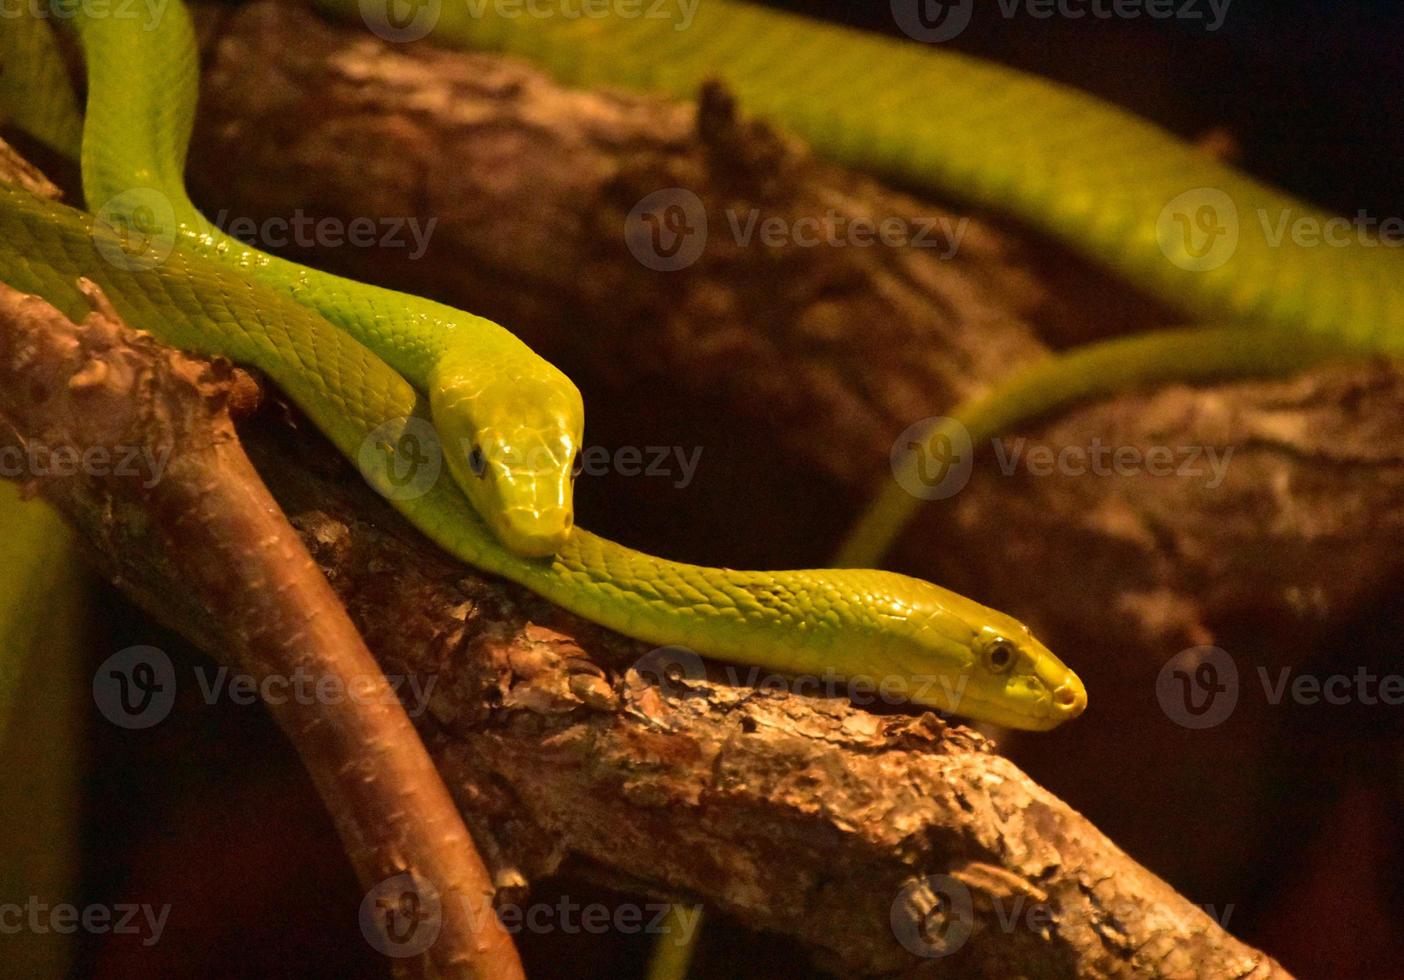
<point x="214" y="296"/>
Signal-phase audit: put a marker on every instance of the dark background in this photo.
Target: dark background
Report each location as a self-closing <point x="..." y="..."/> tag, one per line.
<point x="211" y="812"/>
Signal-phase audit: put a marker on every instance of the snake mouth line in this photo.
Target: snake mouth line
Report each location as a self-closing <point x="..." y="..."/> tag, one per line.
<point x="1046" y="711"/>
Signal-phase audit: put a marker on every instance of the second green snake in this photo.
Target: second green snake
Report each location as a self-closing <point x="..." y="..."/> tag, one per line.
<point x="1166" y="216"/>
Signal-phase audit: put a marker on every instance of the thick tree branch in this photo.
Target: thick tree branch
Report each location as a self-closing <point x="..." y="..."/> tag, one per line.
<point x="799" y="367"/>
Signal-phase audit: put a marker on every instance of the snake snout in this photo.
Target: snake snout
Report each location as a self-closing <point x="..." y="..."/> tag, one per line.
<point x="536" y="533"/>
<point x="1065" y="695"/>
<point x="1069" y="699"/>
<point x="1058" y="694"/>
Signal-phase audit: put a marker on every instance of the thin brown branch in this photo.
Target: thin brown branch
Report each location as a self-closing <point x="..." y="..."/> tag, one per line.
<point x="216" y="547"/>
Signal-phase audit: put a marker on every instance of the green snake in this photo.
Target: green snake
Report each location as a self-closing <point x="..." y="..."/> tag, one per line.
<point x="362" y="375"/>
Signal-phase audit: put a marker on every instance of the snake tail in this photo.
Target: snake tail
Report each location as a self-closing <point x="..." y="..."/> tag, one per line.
<point x="1095" y="370"/>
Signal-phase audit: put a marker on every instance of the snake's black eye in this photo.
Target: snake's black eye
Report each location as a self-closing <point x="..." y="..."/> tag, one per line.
<point x="999" y="655"/>
<point x="575" y="465"/>
<point x="477" y="462"/>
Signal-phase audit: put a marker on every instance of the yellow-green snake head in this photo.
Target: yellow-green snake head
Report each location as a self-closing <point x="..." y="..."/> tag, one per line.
<point x="978" y="663"/>
<point x="511" y="438"/>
